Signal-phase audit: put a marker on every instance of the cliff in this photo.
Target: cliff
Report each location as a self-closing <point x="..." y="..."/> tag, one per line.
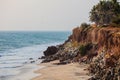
<point x="97" y="46"/>
<point x="106" y="42"/>
<point x="94" y="34"/>
<point x="107" y="38"/>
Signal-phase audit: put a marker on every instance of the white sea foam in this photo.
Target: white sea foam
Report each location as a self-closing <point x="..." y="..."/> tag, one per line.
<point x="17" y="47"/>
<point x="12" y="63"/>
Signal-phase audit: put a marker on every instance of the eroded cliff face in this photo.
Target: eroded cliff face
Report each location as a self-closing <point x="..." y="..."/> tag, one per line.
<point x="106" y="65"/>
<point x="104" y="41"/>
<point x="107" y="38"/>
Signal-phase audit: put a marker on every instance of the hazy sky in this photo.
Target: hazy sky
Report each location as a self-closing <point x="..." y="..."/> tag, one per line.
<point x="44" y="14"/>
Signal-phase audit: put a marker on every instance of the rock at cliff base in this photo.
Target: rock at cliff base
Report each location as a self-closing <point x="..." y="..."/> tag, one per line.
<point x="51" y="51"/>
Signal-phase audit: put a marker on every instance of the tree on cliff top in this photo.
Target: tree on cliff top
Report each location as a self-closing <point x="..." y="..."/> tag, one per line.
<point x="105" y="12"/>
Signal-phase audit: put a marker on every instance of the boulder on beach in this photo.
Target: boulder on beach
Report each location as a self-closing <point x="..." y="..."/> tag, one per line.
<point x="30" y="58"/>
<point x="51" y="51"/>
<point x="32" y="61"/>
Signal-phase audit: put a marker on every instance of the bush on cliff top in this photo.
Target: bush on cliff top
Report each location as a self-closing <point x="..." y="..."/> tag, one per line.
<point x="116" y="22"/>
<point x="105" y="11"/>
<point x="84" y="25"/>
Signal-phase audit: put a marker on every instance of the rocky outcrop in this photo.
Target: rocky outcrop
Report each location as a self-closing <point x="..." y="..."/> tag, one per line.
<point x="65" y="54"/>
<point x="49" y="58"/>
<point x="104" y="68"/>
<point x="51" y="51"/>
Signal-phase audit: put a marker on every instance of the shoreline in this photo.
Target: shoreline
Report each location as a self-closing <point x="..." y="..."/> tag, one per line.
<point x="72" y="71"/>
<point x="26" y="72"/>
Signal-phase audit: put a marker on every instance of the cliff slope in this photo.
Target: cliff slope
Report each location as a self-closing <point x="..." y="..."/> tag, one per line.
<point x="106" y="42"/>
<point x="97" y="46"/>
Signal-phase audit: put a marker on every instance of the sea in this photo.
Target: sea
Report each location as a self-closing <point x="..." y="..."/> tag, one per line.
<point x="17" y="47"/>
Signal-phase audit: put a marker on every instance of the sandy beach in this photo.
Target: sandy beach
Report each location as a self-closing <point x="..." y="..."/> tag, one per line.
<point x="73" y="71"/>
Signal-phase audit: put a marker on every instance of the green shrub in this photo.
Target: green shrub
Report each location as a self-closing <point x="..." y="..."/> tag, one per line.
<point x="82" y="50"/>
<point x="84" y="25"/>
<point x="103" y="12"/>
<point x="116" y="22"/>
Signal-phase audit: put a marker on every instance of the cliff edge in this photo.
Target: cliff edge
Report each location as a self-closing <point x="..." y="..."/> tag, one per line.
<point x="97" y="46"/>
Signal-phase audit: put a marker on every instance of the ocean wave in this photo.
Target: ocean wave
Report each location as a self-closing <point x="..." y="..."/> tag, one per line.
<point x="15" y="57"/>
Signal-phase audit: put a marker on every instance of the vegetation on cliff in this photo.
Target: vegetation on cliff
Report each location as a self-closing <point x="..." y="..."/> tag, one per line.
<point x="106" y="12"/>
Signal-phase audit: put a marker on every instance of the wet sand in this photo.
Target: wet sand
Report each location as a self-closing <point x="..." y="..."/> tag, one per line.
<point x="25" y="73"/>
